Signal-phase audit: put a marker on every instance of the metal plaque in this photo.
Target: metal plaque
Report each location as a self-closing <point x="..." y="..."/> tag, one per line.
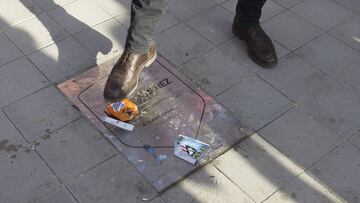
<point x="169" y="105"/>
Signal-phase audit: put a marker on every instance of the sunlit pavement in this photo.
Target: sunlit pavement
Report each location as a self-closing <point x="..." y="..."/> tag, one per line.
<point x="306" y="111"/>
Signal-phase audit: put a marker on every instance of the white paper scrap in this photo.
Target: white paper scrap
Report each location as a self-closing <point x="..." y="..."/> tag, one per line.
<point x="119" y="124"/>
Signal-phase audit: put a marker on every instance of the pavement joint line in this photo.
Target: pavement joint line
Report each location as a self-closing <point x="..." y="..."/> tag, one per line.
<point x="227" y="177"/>
<point x="236" y="83"/>
<point x="18" y="99"/>
<point x="197" y="14"/>
<point x="94" y="166"/>
<point x="348" y="140"/>
<point x="71" y="194"/>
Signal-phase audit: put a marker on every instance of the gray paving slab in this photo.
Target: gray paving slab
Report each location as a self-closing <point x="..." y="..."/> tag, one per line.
<point x="214" y="71"/>
<point x="35" y="33"/>
<point x="290" y="30"/>
<point x="21" y="70"/>
<point x="300" y="136"/>
<point x="340" y="171"/>
<point x="114" y="7"/>
<point x="186" y="45"/>
<point x="59" y="196"/>
<point x="330" y="55"/>
<point x="337" y="107"/>
<point x="186" y="9"/>
<point x="79" y="15"/>
<point x="41" y="113"/>
<point x="352" y="79"/>
<point x="8" y="50"/>
<point x="74" y="149"/>
<point x="355" y="139"/>
<point x="301" y="81"/>
<point x="269" y="10"/>
<point x="254" y="102"/>
<point x="325" y="14"/>
<point x="257" y="167"/>
<point x="304" y="189"/>
<point x="62" y="60"/>
<point x="112" y="181"/>
<point x="103" y="40"/>
<point x="350" y="4"/>
<point x="206" y="185"/>
<point x="10" y="138"/>
<point x="238" y="50"/>
<point x="288" y="3"/>
<point x="348" y="32"/>
<point x="214" y="24"/>
<point x="47" y="5"/>
<point x="17" y="11"/>
<point x="25" y="178"/>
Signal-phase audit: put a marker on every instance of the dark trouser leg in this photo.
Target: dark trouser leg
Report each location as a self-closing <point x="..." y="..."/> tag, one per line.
<point x="249" y="11"/>
<point x="145" y="14"/>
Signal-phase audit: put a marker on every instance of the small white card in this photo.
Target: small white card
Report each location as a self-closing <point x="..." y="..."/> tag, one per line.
<point x="119" y="124"/>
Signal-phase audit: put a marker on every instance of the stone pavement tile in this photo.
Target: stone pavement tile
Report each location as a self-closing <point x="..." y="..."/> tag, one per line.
<point x="301" y="81"/>
<point x="214" y="71"/>
<point x="303" y="189"/>
<point x="35" y="33"/>
<point x="355" y="139"/>
<point x="185" y="9"/>
<point x="112" y="181"/>
<point x="59" y="196"/>
<point x="348" y="32"/>
<point x="237" y="49"/>
<point x="62" y="60"/>
<point x="183" y="47"/>
<point x="269" y="10"/>
<point x="337" y="107"/>
<point x="41" y="113"/>
<point x="254" y="102"/>
<point x="12" y="12"/>
<point x="330" y="55"/>
<point x="214" y="24"/>
<point x="8" y="50"/>
<point x="323" y="13"/>
<point x="206" y="185"/>
<point x="47" y="5"/>
<point x="340" y="171"/>
<point x="352" y="78"/>
<point x="288" y="3"/>
<point x="103" y="40"/>
<point x="74" y="149"/>
<point x="257" y="167"/>
<point x="18" y="79"/>
<point x="25" y="178"/>
<point x="300" y="136"/>
<point x="350" y="4"/>
<point x="218" y="1"/>
<point x="290" y="30"/>
<point x="79" y="15"/>
<point x="10" y="138"/>
<point x="114" y="7"/>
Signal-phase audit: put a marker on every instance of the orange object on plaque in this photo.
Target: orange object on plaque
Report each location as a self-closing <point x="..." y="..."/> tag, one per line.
<point x="124" y="110"/>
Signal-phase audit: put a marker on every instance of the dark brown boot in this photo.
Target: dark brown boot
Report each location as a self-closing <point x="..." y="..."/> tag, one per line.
<point x="124" y="76"/>
<point x="260" y="48"/>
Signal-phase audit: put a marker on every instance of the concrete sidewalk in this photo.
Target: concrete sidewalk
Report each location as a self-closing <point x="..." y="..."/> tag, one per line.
<point x="306" y="111"/>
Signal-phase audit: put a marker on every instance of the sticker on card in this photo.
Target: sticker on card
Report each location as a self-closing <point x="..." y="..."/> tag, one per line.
<point x="189" y="149"/>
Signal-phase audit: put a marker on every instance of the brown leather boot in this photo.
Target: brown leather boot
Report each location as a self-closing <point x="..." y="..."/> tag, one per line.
<point x="260" y="48"/>
<point x="124" y="76"/>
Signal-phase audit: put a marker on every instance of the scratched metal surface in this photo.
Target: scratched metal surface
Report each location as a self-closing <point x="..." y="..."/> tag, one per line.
<point x="169" y="105"/>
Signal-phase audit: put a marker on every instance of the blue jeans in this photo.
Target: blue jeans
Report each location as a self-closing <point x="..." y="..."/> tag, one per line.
<point x="145" y="14"/>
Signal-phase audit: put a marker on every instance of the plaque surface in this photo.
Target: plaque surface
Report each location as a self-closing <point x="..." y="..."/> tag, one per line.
<point x="169" y="105"/>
